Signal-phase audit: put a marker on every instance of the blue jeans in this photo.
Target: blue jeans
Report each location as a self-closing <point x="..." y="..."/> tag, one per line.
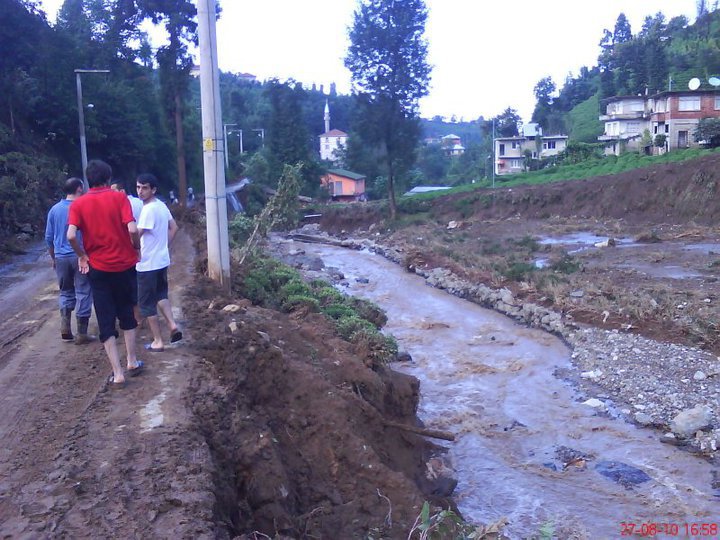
<point x="75" y="292"/>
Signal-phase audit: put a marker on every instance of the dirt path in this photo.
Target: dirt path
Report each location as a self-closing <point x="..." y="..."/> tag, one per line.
<point x="78" y="460"/>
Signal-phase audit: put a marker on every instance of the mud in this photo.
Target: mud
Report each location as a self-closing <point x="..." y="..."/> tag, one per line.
<point x="258" y="423"/>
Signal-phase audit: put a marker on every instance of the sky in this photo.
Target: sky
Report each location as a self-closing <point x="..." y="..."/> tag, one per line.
<point x="487" y="55"/>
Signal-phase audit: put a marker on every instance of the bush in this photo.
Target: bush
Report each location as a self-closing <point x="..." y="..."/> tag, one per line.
<point x="297" y="301"/>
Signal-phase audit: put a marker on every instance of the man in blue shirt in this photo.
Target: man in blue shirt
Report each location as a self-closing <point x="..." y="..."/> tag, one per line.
<point x="75" y="293"/>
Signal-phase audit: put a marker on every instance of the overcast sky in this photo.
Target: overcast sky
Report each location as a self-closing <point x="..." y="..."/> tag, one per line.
<point x="487" y="54"/>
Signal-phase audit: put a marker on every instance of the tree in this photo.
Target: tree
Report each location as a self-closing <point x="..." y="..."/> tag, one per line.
<point x="175" y="61"/>
<point x="387" y="58"/>
<point x="544" y="90"/>
<point x="708" y="131"/>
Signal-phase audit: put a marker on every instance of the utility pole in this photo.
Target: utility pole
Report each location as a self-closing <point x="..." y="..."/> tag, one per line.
<point x="81" y="119"/>
<point x="213" y="148"/>
<point x="493" y="153"/>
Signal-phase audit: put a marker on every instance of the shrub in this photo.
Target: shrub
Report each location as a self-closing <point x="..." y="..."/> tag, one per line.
<point x="297" y="301"/>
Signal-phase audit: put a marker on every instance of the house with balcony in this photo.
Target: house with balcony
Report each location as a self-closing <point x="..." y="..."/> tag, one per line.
<point x="676" y="114"/>
<point x="510" y="152"/>
<point x="452" y="145"/>
<point x="344" y="186"/>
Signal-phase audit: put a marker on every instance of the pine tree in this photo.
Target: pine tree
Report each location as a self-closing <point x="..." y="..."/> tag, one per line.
<point x="387" y="58"/>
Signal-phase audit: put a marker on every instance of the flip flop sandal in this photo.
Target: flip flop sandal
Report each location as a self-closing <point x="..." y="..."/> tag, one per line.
<point x="112" y="385"/>
<point x="137" y="370"/>
<point x="176" y="336"/>
<point x="150" y="348"/>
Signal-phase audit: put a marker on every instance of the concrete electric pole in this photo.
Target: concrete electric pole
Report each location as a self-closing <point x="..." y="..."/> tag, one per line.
<point x="213" y="148"/>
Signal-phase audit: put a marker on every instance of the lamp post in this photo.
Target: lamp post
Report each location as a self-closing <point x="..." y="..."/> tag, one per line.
<point x="262" y="136"/>
<point x="225" y="134"/>
<point x="81" y="119"/>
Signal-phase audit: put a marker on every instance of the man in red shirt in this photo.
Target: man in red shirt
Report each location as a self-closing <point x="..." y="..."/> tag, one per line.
<point x="111" y="246"/>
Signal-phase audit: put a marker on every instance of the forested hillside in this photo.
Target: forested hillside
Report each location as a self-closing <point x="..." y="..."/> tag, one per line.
<point x="662" y="55"/>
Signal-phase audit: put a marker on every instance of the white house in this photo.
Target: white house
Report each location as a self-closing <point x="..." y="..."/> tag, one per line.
<point x="332" y="140"/>
<point x="510" y="151"/>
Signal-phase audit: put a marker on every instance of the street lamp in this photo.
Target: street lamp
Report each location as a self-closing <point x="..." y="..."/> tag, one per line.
<point x="81" y="119"/>
<point x="225" y="134"/>
<point x="262" y="136"/>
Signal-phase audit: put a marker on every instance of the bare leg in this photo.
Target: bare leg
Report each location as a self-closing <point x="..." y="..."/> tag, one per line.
<point x="114" y="357"/>
<point x="154" y="324"/>
<point x="166" y="309"/>
<point x="139" y="318"/>
<point x="129" y="336"/>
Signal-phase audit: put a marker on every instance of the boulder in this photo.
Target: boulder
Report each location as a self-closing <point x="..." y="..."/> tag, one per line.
<point x="690" y="421"/>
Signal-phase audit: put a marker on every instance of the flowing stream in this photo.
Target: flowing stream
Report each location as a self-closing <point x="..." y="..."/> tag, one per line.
<point x="527" y="449"/>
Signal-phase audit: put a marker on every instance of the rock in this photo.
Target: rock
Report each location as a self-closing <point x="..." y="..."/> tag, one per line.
<point x="595" y="374"/>
<point x="689" y="421"/>
<point x="623" y="474"/>
<point x="231" y="308"/>
<point x="403" y="356"/>
<point x="610" y="242"/>
<point x="594" y="403"/>
<point x="233" y="326"/>
<point x="577" y="294"/>
<point x="643" y="419"/>
<point x="362" y="280"/>
<point x="699" y="376"/>
<point x="453" y="225"/>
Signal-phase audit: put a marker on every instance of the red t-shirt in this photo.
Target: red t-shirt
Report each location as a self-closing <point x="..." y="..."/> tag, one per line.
<point x="102" y="215"/>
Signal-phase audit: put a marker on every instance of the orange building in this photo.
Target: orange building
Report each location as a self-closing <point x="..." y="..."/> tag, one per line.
<point x="344" y="185"/>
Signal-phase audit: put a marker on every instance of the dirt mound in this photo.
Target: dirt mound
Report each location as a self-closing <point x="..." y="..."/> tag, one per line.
<point x="297" y="426"/>
<point x="668" y="193"/>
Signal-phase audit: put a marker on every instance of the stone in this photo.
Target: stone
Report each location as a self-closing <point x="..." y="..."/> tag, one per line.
<point x="623" y="474"/>
<point x="688" y="422"/>
<point x="643" y="419"/>
<point x="699" y="376"/>
<point x="231" y="308"/>
<point x="594" y="403"/>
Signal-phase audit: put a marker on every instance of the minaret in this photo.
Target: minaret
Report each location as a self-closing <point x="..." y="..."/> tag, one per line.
<point x="327" y="116"/>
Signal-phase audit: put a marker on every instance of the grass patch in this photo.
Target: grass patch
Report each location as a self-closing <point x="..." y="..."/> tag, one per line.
<point x="271" y="284"/>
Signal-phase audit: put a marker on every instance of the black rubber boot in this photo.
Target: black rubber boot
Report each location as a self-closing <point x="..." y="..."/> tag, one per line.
<point x="65" y="329"/>
<point x="82" y="336"/>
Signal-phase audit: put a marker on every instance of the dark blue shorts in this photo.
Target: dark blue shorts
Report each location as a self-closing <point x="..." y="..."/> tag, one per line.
<point x="112" y="298"/>
<point x="152" y="287"/>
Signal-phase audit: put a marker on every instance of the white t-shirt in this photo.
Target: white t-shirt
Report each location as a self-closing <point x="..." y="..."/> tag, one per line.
<point x="154" y="220"/>
<point x="137" y="206"/>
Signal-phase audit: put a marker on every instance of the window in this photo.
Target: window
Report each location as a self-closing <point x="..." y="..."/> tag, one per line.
<point x="514" y="145"/>
<point x="689" y="103"/>
<point x="655" y="129"/>
<point x="534" y="154"/>
<point x="502" y="149"/>
<point x="633" y="127"/>
<point x="549" y="145"/>
<point x="516" y="163"/>
<point x="717" y="103"/>
<point x="667" y="128"/>
<point x="660" y="105"/>
<point x="337" y="188"/>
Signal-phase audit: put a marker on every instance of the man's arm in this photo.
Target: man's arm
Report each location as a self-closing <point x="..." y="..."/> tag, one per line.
<point x="83" y="264"/>
<point x="172" y="230"/>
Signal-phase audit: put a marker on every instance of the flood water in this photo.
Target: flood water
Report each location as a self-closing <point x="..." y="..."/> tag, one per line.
<point x="490" y="381"/>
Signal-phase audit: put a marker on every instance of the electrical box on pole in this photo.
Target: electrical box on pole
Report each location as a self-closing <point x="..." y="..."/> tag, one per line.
<point x="213" y="148"/>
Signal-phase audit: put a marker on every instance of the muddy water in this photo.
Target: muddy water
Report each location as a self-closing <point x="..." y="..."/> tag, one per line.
<point x="491" y="382"/>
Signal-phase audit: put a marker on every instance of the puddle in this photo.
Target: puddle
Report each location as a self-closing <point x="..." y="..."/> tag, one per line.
<point x="663" y="271"/>
<point x="491" y="382"/>
<point x="709" y="248"/>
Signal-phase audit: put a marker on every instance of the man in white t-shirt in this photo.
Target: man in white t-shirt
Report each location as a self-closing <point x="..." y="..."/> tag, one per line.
<point x="157" y="229"/>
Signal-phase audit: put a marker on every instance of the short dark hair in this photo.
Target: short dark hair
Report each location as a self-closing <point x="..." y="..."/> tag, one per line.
<point x="98" y="173"/>
<point x="147" y="178"/>
<point x="71" y="185"/>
